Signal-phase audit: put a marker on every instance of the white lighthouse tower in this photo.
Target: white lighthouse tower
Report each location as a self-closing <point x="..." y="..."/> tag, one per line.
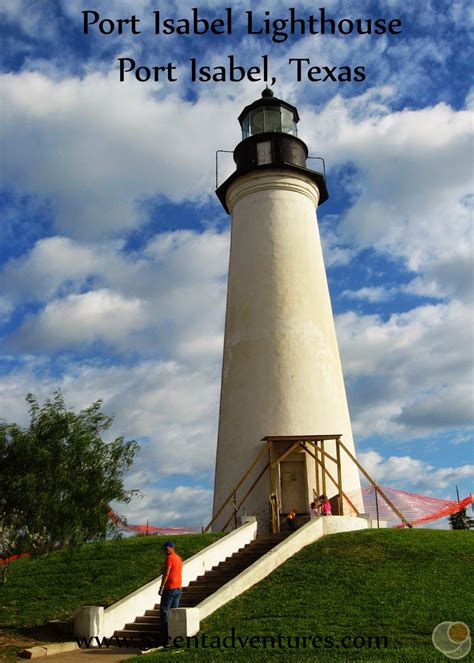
<point x="281" y="373"/>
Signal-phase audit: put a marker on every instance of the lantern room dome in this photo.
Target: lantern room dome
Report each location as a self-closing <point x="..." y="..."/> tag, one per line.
<point x="269" y="115"/>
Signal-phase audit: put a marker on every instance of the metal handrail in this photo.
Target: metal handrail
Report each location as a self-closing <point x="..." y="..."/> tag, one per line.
<point x="324" y="164"/>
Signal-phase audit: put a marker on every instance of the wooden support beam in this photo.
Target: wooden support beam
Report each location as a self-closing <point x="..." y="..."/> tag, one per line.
<point x="285" y="454"/>
<point x="273" y="490"/>
<point x="300" y="438"/>
<point x="304" y="438"/>
<point x="339" y="478"/>
<point x="376" y="486"/>
<point x="351" y="504"/>
<point x="316" y="469"/>
<point x="323" y="461"/>
<point x="248" y="492"/>
<point x="326" y="455"/>
<point x="219" y="511"/>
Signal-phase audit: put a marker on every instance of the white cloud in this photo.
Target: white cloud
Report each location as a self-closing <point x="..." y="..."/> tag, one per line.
<point x="53" y="265"/>
<point x="81" y="319"/>
<point x="448" y="406"/>
<point x="410" y="374"/>
<point x="376" y="294"/>
<point x="176" y="507"/>
<point x="166" y="298"/>
<point x="97" y="148"/>
<point x="6" y="309"/>
<point x="403" y="471"/>
<point x="411" y="191"/>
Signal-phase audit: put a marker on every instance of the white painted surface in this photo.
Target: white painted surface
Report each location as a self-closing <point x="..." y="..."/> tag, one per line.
<point x="89" y="621"/>
<point x="281" y="371"/>
<point x="94" y="620"/>
<point x="182" y="622"/>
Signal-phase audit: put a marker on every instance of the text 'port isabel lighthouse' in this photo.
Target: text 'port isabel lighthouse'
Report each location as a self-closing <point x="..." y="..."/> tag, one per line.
<point x="281" y="373"/>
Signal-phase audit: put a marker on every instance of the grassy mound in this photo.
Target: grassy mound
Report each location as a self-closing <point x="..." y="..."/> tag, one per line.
<point x="374" y="595"/>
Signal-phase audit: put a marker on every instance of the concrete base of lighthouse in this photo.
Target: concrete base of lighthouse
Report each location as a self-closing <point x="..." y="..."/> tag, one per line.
<point x="281" y="369"/>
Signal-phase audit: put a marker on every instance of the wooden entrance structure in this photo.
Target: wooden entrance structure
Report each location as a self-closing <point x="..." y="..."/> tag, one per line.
<point x="277" y="448"/>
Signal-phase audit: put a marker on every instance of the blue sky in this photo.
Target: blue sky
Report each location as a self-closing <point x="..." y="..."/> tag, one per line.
<point x="114" y="248"/>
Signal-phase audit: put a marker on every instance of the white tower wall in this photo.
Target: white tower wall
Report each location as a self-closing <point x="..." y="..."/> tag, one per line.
<point x="281" y="370"/>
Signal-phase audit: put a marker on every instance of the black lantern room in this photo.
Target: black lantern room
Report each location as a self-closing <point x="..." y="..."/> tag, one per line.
<point x="268" y="115"/>
<point x="270" y="140"/>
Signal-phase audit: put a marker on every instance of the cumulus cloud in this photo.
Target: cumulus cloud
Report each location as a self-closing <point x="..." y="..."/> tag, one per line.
<point x="83" y="319"/>
<point x="176" y="507"/>
<point x="411" y="188"/>
<point x="411" y="373"/>
<point x="403" y="471"/>
<point x="375" y="294"/>
<point x="166" y="298"/>
<point x="97" y="149"/>
<point x="51" y="266"/>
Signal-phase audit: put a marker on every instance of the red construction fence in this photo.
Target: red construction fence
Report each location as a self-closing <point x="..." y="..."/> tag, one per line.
<point x="417" y="509"/>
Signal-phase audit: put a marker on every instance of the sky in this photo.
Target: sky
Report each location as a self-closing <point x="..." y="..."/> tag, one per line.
<point x="114" y="248"/>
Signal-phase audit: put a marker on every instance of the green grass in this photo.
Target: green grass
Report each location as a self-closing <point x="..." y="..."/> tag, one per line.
<point x="396" y="584"/>
<point x="54" y="586"/>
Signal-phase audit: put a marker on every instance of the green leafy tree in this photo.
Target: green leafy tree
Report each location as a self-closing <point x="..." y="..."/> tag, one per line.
<point x="461" y="520"/>
<point x="58" y="477"/>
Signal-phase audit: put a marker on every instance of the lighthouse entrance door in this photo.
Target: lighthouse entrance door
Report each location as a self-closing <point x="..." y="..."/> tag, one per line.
<point x="293" y="486"/>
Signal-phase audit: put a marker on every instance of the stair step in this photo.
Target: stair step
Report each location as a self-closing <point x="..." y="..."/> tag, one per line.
<point x="209" y="581"/>
<point x="130" y="633"/>
<point x="217" y="574"/>
<point x="148" y="619"/>
<point x="193" y="604"/>
<point x="143" y="626"/>
<point x="245" y="555"/>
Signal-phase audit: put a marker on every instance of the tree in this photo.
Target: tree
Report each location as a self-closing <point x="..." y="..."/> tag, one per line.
<point x="58" y="476"/>
<point x="461" y="520"/>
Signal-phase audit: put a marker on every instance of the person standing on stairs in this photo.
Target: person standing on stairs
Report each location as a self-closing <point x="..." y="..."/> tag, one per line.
<point x="171" y="587"/>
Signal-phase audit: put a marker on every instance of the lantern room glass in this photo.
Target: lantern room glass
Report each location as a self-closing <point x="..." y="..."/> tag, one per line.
<point x="269" y="119"/>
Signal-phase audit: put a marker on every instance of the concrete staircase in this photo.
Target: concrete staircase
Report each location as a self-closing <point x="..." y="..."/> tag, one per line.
<point x="147" y="627"/>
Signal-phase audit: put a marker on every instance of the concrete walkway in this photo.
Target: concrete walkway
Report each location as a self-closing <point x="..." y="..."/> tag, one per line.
<point x="111" y="655"/>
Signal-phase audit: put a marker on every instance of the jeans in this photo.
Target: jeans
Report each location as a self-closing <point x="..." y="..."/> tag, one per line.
<point x="169" y="599"/>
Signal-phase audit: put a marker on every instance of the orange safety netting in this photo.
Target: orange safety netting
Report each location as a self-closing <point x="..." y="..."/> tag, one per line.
<point x="149" y="529"/>
<point x="417" y="509"/>
<point x="6" y="560"/>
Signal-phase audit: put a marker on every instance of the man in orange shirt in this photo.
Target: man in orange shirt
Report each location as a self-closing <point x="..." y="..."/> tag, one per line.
<point x="170" y="590"/>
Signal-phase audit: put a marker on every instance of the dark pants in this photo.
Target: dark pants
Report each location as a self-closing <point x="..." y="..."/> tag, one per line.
<point x="169" y="599"/>
<point x="291" y="523"/>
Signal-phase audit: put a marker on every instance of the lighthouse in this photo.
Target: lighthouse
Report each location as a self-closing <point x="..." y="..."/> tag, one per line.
<point x="282" y="383"/>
